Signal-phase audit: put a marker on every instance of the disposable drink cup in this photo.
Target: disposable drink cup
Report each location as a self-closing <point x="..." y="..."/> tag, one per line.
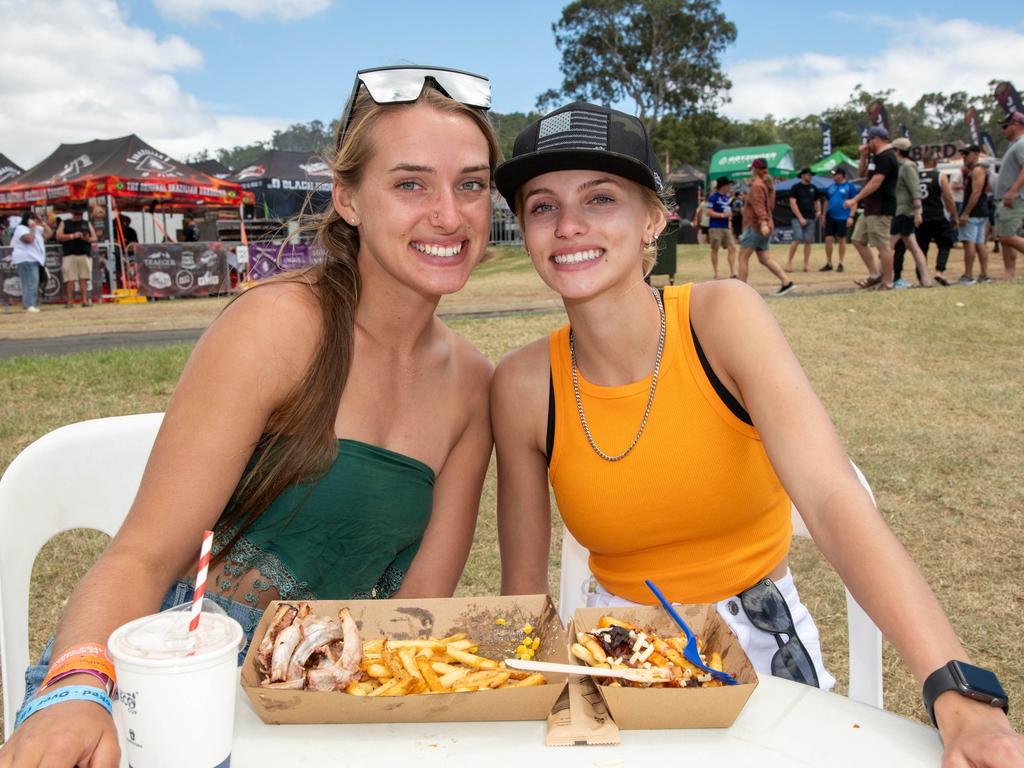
<point x="176" y="691"/>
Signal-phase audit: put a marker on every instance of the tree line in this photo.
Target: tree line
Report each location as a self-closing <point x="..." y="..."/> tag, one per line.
<point x="661" y="60"/>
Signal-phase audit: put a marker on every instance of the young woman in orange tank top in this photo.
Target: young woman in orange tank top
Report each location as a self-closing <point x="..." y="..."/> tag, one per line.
<point x="674" y="430"/>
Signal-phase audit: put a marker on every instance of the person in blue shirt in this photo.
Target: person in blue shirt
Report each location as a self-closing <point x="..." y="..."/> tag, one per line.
<point x="837" y="216"/>
<point x="719" y="231"/>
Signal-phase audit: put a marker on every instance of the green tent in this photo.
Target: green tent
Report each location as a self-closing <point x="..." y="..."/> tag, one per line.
<point x="735" y="163"/>
<point x="826" y="165"/>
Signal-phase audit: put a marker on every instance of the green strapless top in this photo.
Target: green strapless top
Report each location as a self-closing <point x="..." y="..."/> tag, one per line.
<point x="349" y="534"/>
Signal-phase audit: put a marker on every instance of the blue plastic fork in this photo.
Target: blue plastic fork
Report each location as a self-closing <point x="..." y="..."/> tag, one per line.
<point x="690" y="652"/>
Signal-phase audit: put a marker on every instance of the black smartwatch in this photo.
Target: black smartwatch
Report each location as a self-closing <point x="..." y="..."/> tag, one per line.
<point x="967" y="680"/>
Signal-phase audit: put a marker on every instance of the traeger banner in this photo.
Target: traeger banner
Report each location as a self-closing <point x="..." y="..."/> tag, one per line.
<point x="53" y="290"/>
<point x="269" y="259"/>
<point x="182" y="269"/>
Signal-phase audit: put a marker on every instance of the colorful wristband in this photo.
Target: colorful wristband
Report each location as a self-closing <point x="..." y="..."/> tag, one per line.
<point x="71" y="693"/>
<point x="85" y="649"/>
<point x="108" y="683"/>
<point x="80" y="662"/>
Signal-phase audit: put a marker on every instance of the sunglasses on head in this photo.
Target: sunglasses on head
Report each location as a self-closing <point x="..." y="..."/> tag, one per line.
<point x="403" y="84"/>
<point x="767" y="610"/>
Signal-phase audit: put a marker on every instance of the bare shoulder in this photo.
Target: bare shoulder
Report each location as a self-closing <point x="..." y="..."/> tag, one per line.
<point x="280" y="310"/>
<point x="471" y="366"/>
<point x="522" y="375"/>
<point x="724" y="305"/>
<point x="270" y="329"/>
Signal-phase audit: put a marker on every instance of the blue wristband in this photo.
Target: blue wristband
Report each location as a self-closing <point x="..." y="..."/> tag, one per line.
<point x="70" y="693"/>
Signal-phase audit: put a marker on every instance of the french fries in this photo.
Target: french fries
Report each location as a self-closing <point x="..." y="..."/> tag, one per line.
<point x="616" y="643"/>
<point x="386" y="667"/>
<point x="445" y="665"/>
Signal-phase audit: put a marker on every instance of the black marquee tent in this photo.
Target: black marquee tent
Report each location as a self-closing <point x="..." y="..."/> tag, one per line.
<point x="8" y="168"/>
<point x="212" y="168"/>
<point x="281" y="179"/>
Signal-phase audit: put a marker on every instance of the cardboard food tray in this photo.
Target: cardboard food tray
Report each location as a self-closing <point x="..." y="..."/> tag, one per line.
<point x="413" y="619"/>
<point x="647" y="708"/>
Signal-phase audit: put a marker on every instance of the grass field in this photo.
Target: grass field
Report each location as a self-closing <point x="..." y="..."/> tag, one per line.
<point x="924" y="387"/>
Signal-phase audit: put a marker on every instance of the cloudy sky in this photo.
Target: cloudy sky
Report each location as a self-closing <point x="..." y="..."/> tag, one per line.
<point x="192" y="74"/>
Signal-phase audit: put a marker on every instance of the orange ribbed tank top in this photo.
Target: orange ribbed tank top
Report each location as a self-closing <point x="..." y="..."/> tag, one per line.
<point x="695" y="507"/>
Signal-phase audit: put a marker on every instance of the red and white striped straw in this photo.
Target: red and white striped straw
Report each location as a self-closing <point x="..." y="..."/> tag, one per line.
<point x="200" y="590"/>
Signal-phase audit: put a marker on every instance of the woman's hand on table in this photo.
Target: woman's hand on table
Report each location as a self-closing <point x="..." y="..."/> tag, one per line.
<point x="68" y="734"/>
<point x="975" y="735"/>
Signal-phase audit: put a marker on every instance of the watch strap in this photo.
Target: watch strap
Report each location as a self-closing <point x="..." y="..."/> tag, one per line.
<point x="938" y="682"/>
<point x="945" y="679"/>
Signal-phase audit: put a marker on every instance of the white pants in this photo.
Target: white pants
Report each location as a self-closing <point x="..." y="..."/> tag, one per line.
<point x="759" y="645"/>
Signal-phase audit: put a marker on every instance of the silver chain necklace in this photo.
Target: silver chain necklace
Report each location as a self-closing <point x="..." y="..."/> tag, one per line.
<point x="650" y="397"/>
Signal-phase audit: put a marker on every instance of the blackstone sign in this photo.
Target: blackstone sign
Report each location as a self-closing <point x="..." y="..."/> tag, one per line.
<point x="182" y="269"/>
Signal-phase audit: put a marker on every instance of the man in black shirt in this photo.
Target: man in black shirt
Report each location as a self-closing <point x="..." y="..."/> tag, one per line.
<point x="805" y="203"/>
<point x="879" y="164"/>
<point x="76" y="237"/>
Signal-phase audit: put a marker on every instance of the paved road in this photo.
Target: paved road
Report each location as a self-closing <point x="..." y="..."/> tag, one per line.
<point x="66" y="345"/>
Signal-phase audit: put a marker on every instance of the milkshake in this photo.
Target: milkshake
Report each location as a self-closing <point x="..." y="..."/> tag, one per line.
<point x="176" y="689"/>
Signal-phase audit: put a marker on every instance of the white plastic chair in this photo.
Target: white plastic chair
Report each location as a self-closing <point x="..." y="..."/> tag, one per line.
<point x="865" y="639"/>
<point x="83" y="475"/>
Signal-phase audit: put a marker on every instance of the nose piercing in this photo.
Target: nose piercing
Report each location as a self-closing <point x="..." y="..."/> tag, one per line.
<point x="435" y="215"/>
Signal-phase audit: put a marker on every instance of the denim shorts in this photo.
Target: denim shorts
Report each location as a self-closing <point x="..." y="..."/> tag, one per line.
<point x="804" y="234"/>
<point x="752" y="238"/>
<point x="760" y="646"/>
<point x="974" y="230"/>
<point x="179" y="593"/>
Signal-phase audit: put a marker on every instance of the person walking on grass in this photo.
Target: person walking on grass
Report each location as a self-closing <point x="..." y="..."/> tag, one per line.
<point x="878" y="163"/>
<point x="908" y="215"/>
<point x="1010" y="195"/>
<point x="805" y="204"/>
<point x="719" y="230"/>
<point x="974" y="216"/>
<point x="701" y="220"/>
<point x="757" y="226"/>
<point x="837" y="216"/>
<point x="938" y="212"/>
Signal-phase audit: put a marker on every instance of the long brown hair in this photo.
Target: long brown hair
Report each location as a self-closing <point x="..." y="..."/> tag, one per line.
<point x="299" y="442"/>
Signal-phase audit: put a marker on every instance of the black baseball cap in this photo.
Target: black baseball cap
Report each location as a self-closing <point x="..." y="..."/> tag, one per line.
<point x="722" y="181"/>
<point x="839" y="170"/>
<point x="969" y="148"/>
<point x="808" y="171"/>
<point x="580" y="136"/>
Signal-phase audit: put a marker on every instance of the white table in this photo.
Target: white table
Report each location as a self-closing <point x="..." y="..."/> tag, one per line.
<point x="783" y="724"/>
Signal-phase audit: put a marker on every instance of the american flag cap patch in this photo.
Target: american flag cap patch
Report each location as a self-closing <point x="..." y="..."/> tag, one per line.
<point x="573" y="129"/>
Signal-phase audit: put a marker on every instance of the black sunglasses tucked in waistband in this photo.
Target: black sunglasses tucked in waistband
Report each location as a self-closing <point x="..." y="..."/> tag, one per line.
<point x="767" y="610"/>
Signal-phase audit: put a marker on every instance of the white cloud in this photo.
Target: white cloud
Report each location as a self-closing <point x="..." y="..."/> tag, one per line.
<point x="920" y="56"/>
<point x="195" y="10"/>
<point x="87" y="73"/>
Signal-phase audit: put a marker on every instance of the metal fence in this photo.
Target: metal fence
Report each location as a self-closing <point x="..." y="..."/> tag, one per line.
<point x="504" y="227"/>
